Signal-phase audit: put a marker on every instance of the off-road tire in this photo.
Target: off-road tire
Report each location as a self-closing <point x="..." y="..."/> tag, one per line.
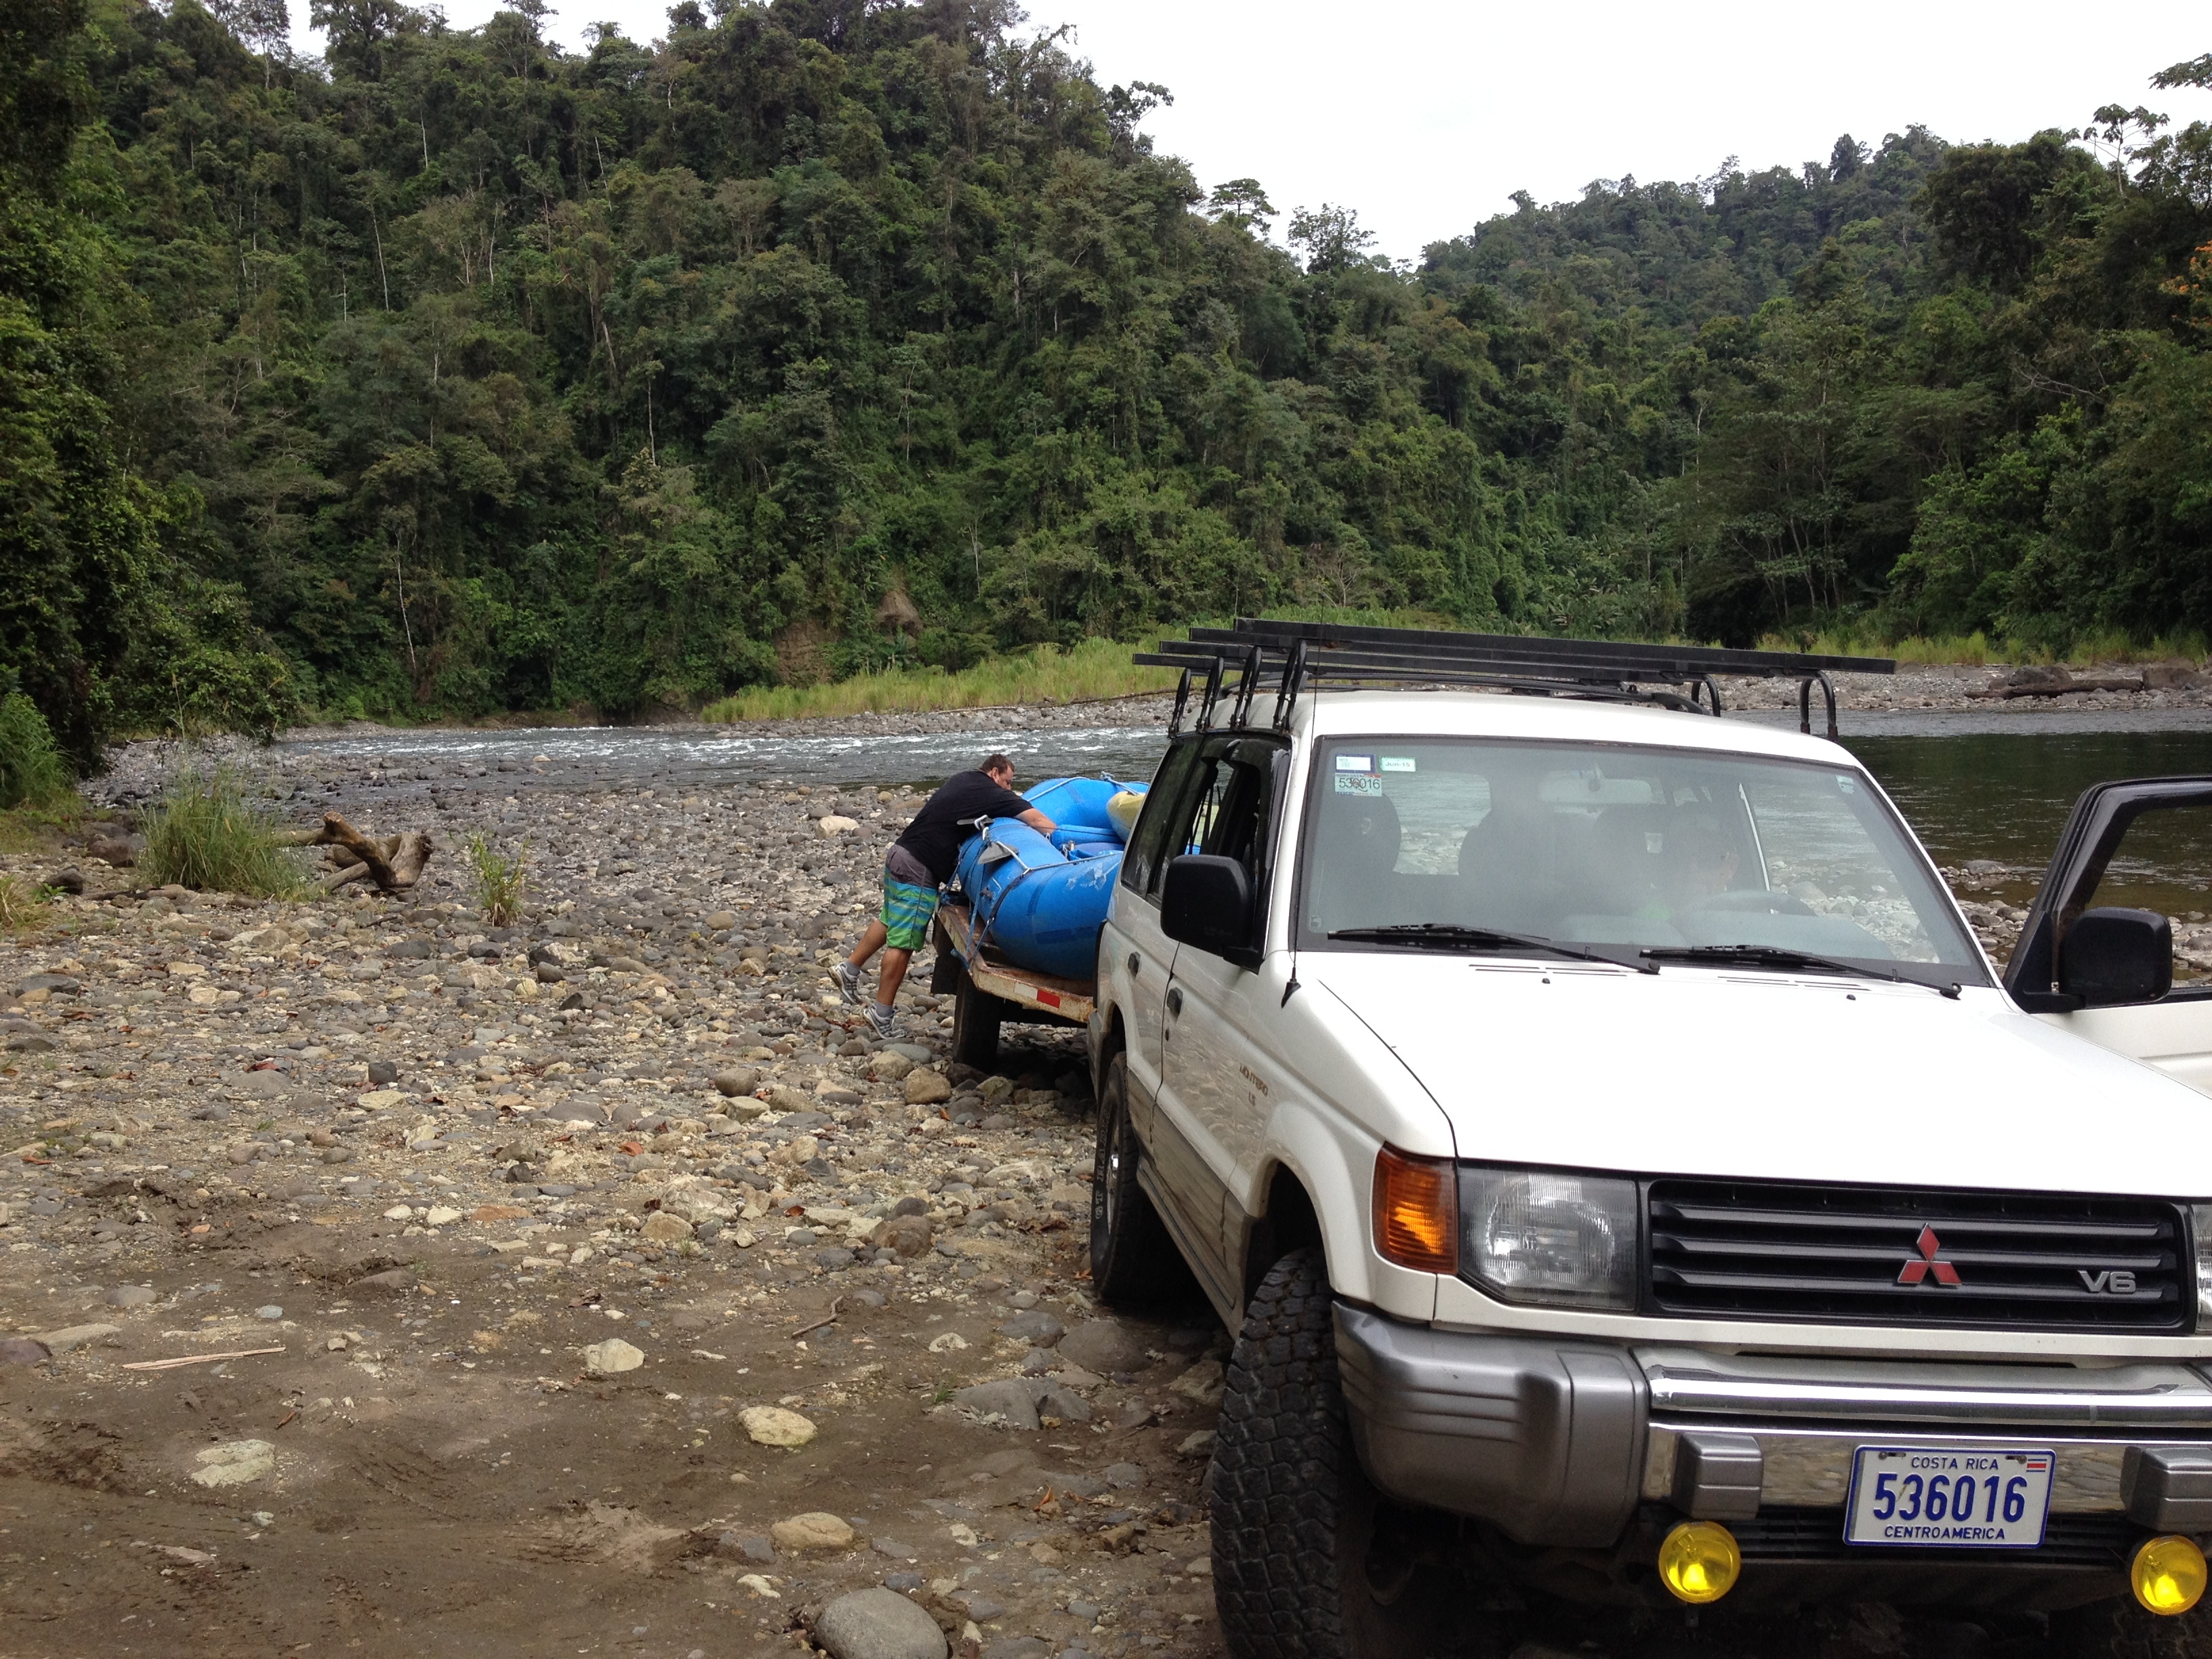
<point x="2121" y="1629"/>
<point x="975" y="1017"/>
<point x="1133" y="1260"/>
<point x="1294" y="1514"/>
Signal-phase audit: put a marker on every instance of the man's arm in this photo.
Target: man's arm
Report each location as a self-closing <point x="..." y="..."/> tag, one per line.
<point x="1012" y="806"/>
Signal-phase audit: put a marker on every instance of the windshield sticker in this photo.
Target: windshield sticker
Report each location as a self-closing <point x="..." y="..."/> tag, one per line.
<point x="1397" y="762"/>
<point x="1355" y="762"/>
<point x="1356" y="784"/>
<point x="1847" y="785"/>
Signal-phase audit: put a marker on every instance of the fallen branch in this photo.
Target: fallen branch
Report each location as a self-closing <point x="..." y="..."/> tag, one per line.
<point x="830" y="1318"/>
<point x="412" y="853"/>
<point x="2065" y="687"/>
<point x="395" y="863"/>
<point x="341" y="834"/>
<point x="195" y="1360"/>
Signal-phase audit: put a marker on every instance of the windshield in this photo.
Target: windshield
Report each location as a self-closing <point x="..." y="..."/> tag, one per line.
<point x="1624" y="848"/>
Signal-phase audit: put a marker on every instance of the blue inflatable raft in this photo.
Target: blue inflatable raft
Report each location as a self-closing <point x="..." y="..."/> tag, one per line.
<point x="1079" y="809"/>
<point x="1038" y="903"/>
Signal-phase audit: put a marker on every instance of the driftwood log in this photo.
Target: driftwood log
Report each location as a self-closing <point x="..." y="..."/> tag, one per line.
<point x="394" y="863"/>
<point x="2058" y="687"/>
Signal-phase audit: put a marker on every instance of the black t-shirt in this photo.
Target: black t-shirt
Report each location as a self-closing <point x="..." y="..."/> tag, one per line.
<point x="938" y="830"/>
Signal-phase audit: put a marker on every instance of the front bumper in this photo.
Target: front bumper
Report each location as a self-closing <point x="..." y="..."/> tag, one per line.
<point x="1564" y="1444"/>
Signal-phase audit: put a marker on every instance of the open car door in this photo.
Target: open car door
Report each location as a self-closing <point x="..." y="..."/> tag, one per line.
<point x="2096" y="952"/>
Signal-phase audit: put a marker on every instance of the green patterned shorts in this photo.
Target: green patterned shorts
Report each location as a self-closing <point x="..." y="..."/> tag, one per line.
<point x="907" y="911"/>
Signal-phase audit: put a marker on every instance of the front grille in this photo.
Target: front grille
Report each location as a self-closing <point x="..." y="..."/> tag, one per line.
<point x="1795" y="1534"/>
<point x="1890" y="1256"/>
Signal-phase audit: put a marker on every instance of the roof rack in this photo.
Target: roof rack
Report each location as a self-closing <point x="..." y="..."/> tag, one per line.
<point x="1241" y="660"/>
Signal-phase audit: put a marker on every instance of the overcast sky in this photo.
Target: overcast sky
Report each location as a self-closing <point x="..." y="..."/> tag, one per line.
<point x="1426" y="115"/>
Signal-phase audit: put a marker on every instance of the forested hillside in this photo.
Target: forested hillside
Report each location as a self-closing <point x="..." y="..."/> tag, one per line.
<point x="461" y="374"/>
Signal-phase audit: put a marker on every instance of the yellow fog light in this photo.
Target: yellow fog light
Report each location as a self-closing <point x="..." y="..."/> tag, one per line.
<point x="2167" y="1574"/>
<point x="1699" y="1562"/>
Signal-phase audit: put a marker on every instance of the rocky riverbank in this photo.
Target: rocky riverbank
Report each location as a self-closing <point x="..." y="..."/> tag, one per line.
<point x="376" y="1278"/>
<point x="594" y="1278"/>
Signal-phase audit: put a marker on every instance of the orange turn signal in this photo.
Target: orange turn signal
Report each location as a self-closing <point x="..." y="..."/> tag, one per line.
<point x="1416" y="1212"/>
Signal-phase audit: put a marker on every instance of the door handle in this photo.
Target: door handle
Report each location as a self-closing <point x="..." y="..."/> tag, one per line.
<point x="1175" y="1000"/>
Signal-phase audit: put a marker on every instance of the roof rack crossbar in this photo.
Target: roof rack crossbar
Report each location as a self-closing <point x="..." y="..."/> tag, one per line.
<point x="1290" y="656"/>
<point x="1362" y="663"/>
<point x="1685" y="659"/>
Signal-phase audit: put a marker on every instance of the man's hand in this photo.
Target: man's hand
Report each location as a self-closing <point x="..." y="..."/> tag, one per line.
<point x="1038" y="822"/>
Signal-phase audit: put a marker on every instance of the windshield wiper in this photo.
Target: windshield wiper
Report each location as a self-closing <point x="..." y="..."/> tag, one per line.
<point x="1450" y="936"/>
<point x="1781" y="956"/>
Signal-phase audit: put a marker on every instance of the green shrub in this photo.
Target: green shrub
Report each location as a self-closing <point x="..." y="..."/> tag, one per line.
<point x="202" y="833"/>
<point x="31" y="770"/>
<point x="499" y="880"/>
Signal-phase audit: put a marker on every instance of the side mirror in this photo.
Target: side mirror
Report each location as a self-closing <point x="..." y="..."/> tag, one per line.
<point x="2111" y="957"/>
<point x="1206" y="902"/>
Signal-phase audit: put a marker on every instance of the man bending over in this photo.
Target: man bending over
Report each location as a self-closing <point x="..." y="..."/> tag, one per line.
<point x="920" y="861"/>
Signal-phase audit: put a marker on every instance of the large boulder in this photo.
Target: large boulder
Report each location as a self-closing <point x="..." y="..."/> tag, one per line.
<point x="927" y="1088"/>
<point x="1013" y="1399"/>
<point x="1106" y="1345"/>
<point x="815" y="1530"/>
<point x="909" y="1234"/>
<point x="878" y="1624"/>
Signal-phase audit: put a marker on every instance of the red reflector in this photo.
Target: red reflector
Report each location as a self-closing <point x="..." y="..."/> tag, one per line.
<point x="1416" y="1212"/>
<point x="1050" y="998"/>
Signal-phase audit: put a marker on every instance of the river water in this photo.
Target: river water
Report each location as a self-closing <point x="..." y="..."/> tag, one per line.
<point x="1990" y="785"/>
<point x="1982" y="787"/>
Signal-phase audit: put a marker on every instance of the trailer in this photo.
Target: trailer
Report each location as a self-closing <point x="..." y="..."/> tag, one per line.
<point x="988" y="991"/>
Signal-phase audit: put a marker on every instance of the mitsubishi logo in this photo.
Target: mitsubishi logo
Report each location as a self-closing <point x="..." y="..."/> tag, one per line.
<point x="1931" y="1261"/>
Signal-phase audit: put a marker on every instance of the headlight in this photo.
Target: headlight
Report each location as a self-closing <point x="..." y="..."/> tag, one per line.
<point x="1539" y="1237"/>
<point x="2200" y="1223"/>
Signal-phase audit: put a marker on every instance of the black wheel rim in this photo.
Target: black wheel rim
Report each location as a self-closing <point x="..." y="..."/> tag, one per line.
<point x="1106" y="1171"/>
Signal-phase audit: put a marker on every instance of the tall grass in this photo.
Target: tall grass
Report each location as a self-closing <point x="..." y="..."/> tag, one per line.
<point x="499" y="880"/>
<point x="1977" y="649"/>
<point x="1094" y="669"/>
<point x="31" y="770"/>
<point x="23" y="905"/>
<point x="1099" y="669"/>
<point x="1090" y="672"/>
<point x="204" y="834"/>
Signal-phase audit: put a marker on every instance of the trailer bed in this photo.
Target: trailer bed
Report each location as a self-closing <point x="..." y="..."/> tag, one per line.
<point x="1046" y="996"/>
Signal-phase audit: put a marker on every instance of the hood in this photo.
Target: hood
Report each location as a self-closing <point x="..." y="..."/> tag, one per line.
<point x="1772" y="1077"/>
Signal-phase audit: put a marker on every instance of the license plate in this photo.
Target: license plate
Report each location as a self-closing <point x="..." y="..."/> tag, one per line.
<point x="1948" y="1497"/>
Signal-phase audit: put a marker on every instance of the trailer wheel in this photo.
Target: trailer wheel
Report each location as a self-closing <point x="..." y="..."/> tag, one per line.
<point x="976" y="1016"/>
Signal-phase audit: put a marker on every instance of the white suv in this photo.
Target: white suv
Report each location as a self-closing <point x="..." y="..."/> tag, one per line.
<point x="1627" y="1176"/>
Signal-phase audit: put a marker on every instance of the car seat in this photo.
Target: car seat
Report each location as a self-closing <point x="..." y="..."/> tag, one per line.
<point x="1508" y="868"/>
<point x="1356" y="843"/>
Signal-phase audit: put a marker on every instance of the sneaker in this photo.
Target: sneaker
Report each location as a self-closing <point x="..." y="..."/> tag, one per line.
<point x="884" y="1023"/>
<point x="849" y="983"/>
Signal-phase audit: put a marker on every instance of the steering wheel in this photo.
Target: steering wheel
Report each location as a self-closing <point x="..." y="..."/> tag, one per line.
<point x="1769" y="902"/>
